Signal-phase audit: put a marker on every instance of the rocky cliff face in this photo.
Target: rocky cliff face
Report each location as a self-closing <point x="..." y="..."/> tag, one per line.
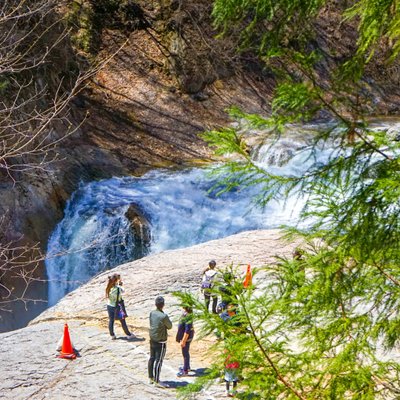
<point x="139" y="113"/>
<point x="167" y="80"/>
<point x="118" y="369"/>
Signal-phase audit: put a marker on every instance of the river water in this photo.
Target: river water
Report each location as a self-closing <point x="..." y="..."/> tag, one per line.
<point x="181" y="207"/>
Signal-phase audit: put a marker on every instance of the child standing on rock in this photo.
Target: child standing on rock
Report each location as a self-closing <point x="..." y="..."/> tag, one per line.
<point x="231" y="375"/>
<point x="184" y="336"/>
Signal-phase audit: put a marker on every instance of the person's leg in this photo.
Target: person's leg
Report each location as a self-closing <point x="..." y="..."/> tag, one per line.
<point x="207" y="301"/>
<point x="186" y="357"/>
<point x="214" y="304"/>
<point x="234" y="391"/>
<point x="227" y="385"/>
<point x="150" y="366"/>
<point x="110" y="311"/>
<point x="159" y="357"/>
<point x="125" y="327"/>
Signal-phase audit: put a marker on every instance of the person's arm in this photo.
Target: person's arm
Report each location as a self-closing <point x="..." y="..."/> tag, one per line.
<point x="204" y="279"/>
<point x="184" y="339"/>
<point x="121" y="290"/>
<point x="167" y="322"/>
<point x="188" y="328"/>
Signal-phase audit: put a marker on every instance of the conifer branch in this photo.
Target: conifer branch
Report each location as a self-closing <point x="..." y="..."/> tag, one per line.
<point x="279" y="376"/>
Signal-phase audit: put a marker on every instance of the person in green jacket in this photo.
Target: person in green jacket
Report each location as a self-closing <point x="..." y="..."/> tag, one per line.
<point x="159" y="324"/>
<point x="114" y="292"/>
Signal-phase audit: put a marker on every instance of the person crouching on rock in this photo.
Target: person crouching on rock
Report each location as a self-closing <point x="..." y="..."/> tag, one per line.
<point x="114" y="292"/>
<point x="184" y="336"/>
<point x="159" y="324"/>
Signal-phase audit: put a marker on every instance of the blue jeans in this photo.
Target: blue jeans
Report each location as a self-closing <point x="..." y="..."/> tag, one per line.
<point x="186" y="356"/>
<point x="111" y="313"/>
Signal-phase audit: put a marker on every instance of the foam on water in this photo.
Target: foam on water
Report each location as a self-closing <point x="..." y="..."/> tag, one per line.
<point x="95" y="234"/>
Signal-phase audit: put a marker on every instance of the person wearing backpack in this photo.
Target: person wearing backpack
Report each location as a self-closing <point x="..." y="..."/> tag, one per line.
<point x="207" y="284"/>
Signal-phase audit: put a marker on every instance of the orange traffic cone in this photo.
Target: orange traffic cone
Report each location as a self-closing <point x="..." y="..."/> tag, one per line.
<point x="67" y="350"/>
<point x="248" y="280"/>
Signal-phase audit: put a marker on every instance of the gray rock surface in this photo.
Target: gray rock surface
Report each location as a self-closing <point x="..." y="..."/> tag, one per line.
<point x="117" y="369"/>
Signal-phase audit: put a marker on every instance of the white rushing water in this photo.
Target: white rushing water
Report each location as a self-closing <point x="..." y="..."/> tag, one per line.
<point x="95" y="234"/>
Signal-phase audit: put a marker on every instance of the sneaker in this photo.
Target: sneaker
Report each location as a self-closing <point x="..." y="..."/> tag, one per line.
<point x="113" y="337"/>
<point x="151" y="381"/>
<point x="131" y="337"/>
<point x="189" y="370"/>
<point x="182" y="373"/>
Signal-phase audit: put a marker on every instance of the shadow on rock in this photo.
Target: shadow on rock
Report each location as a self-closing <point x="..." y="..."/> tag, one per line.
<point x="135" y="339"/>
<point x="198" y="372"/>
<point x="176" y="384"/>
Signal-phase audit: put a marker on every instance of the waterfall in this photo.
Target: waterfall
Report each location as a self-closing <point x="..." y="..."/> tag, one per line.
<point x="181" y="210"/>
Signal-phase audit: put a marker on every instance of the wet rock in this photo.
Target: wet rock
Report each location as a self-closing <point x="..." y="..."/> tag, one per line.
<point x="200" y="96"/>
<point x="140" y="226"/>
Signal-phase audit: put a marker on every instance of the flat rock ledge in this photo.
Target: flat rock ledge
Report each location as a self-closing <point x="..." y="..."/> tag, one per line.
<point x="117" y="369"/>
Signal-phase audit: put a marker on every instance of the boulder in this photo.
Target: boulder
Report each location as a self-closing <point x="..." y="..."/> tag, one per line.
<point x="140" y="226"/>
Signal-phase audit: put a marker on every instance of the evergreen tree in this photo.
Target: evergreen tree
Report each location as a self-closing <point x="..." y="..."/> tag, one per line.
<point x="326" y="326"/>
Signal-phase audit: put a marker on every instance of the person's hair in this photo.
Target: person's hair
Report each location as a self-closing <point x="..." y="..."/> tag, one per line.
<point x="211" y="265"/>
<point x="298" y="253"/>
<point x="160" y="302"/>
<point x="188" y="309"/>
<point x="112" y="280"/>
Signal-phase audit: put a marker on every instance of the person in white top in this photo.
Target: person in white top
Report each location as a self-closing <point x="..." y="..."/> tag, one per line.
<point x="209" y="275"/>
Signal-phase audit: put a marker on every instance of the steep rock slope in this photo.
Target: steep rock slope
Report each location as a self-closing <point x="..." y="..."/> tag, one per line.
<point x="117" y="369"/>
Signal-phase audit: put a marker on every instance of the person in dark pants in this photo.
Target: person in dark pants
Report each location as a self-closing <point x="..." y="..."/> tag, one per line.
<point x="226" y="290"/>
<point x="184" y="336"/>
<point x="114" y="294"/>
<point x="159" y="324"/>
<point x="207" y="285"/>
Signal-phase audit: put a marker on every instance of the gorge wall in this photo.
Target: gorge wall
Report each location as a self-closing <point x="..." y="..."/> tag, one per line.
<point x="167" y="79"/>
